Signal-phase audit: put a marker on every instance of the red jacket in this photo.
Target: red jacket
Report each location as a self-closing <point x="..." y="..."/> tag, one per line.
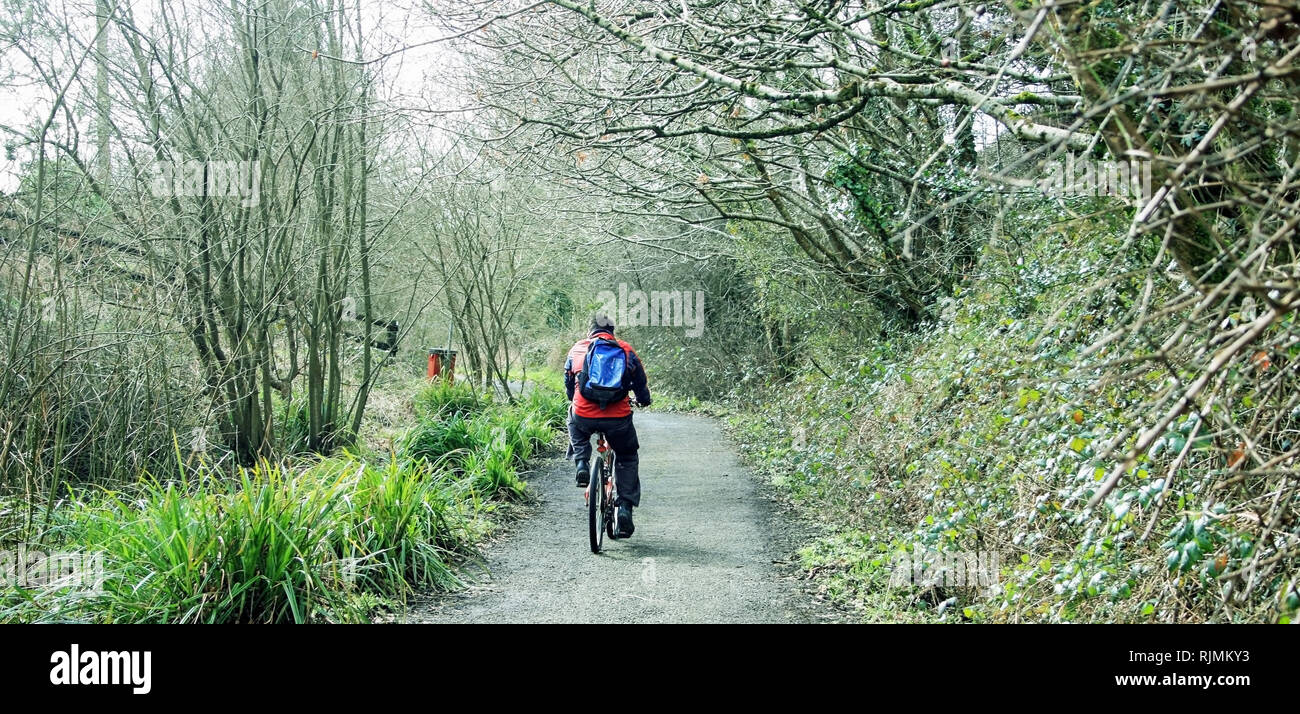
<point x="635" y="379"/>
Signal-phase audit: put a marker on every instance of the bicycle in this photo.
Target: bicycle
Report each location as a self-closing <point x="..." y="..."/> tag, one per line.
<point x="600" y="493"/>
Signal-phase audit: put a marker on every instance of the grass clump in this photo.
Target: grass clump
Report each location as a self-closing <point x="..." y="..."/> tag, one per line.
<point x="330" y="541"/>
<point x="484" y="443"/>
<point x="440" y="398"/>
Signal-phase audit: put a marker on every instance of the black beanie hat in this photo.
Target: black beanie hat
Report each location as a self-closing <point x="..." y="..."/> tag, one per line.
<point x="600" y="322"/>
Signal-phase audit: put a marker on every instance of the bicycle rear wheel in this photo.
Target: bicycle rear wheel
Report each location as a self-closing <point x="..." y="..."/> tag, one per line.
<point x="611" y="497"/>
<point x="596" y="506"/>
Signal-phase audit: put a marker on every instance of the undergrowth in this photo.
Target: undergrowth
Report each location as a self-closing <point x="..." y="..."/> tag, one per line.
<point x="986" y="433"/>
<point x="335" y="540"/>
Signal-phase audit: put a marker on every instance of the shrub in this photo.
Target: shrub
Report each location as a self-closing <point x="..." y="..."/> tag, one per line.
<point x="442" y="399"/>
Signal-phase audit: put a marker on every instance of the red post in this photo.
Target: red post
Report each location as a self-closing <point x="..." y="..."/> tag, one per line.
<point x="441" y="361"/>
<point x="435" y="365"/>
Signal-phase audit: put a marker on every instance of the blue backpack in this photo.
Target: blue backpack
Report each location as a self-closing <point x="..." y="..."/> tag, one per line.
<point x="604" y="372"/>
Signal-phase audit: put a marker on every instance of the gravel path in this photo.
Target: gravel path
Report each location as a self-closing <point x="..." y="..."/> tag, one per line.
<point x="708" y="546"/>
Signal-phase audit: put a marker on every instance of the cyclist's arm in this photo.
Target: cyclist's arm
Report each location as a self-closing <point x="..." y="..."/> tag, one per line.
<point x="569" y="380"/>
<point x="637" y="381"/>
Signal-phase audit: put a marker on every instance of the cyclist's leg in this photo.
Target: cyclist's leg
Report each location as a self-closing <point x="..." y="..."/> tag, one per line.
<point x="621" y="434"/>
<point x="580" y="431"/>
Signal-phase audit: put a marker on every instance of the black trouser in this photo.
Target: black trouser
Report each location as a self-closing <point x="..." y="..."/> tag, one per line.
<point x="621" y="434"/>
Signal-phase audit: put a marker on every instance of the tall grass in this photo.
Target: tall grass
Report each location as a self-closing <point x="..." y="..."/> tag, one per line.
<point x="251" y="550"/>
<point x="399" y="527"/>
<point x="434" y="438"/>
<point x="484" y="443"/>
<point x="325" y="542"/>
<point x="444" y="399"/>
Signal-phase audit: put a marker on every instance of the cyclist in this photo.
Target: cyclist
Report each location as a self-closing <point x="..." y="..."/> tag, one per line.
<point x="587" y="417"/>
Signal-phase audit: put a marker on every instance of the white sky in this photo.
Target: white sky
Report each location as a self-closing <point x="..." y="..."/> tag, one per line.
<point x="407" y="78"/>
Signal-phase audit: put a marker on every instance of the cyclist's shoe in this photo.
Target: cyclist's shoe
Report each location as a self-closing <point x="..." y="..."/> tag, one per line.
<point x="625" y="527"/>
<point x="584" y="473"/>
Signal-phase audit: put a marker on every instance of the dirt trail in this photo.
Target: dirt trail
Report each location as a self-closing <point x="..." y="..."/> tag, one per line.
<point x="707" y="546"/>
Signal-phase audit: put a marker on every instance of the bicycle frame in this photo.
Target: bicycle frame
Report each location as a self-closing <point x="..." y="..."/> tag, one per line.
<point x="607" y="454"/>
